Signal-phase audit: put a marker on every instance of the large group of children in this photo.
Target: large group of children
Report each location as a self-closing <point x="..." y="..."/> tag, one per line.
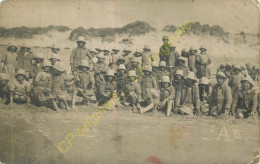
<point x="175" y="84"/>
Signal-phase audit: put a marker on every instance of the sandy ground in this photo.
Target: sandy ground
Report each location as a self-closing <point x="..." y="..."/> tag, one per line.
<point x="123" y="137"/>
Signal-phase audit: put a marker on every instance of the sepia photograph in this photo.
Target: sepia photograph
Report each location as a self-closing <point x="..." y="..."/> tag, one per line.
<point x="129" y="81"/>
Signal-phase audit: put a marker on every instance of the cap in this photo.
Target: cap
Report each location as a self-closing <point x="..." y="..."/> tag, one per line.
<point x="165" y="37"/>
<point x="179" y="72"/>
<point x="204" y="80"/>
<point x="221" y="75"/>
<point x="191" y="76"/>
<point x="81" y="39"/>
<point x="147" y="68"/>
<point x="21" y="72"/>
<point x="165" y="79"/>
<point x="249" y="79"/>
<point x="162" y="64"/>
<point x="110" y="73"/>
<point x="121" y="66"/>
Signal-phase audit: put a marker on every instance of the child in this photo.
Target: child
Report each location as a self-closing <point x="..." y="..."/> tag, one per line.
<point x="107" y="88"/>
<point x="9" y="60"/>
<point x="162" y="71"/>
<point x="54" y="59"/>
<point x="133" y="94"/>
<point x="42" y="87"/>
<point x="244" y="100"/>
<point x="221" y="97"/>
<point x="167" y="95"/>
<point x="21" y="88"/>
<point x="84" y="81"/>
<point x="37" y="66"/>
<point x="58" y="84"/>
<point x="204" y="93"/>
<point x="149" y="89"/>
<point x="192" y="93"/>
<point x="179" y="84"/>
<point x="235" y="79"/>
<point x="121" y="79"/>
<point x="4" y="89"/>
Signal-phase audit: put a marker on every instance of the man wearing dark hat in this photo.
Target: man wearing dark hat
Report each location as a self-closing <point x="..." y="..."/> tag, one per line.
<point x="24" y="59"/>
<point x="164" y="49"/>
<point x="202" y="62"/>
<point x="79" y="53"/>
<point x="221" y="97"/>
<point x="173" y="55"/>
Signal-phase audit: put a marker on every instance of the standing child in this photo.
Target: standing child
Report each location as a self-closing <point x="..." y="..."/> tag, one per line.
<point x="21" y="88"/>
<point x="9" y="61"/>
<point x="37" y="66"/>
<point x="235" y="79"/>
<point x="42" y="87"/>
<point x="121" y="79"/>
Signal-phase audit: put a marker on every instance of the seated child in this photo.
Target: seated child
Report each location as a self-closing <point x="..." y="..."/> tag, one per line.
<point x="21" y="88"/>
<point x="84" y="81"/>
<point x="58" y="85"/>
<point x="42" y="84"/>
<point x="4" y="88"/>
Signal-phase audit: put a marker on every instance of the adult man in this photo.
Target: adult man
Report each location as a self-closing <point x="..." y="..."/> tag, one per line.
<point x="147" y="55"/>
<point x="173" y="55"/>
<point x="79" y="53"/>
<point x="24" y="59"/>
<point x="164" y="49"/>
<point x="192" y="60"/>
<point x="202" y="62"/>
<point x="245" y="100"/>
<point x="221" y="97"/>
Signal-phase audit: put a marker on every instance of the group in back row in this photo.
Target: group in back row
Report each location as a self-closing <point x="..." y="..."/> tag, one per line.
<point x="179" y="84"/>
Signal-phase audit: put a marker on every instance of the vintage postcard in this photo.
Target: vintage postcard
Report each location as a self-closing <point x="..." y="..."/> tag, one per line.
<point x="129" y="81"/>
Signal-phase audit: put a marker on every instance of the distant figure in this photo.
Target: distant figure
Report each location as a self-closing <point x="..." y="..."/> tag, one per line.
<point x="24" y="59"/>
<point x="164" y="49"/>
<point x="79" y="53"/>
<point x="9" y="62"/>
<point x="202" y="63"/>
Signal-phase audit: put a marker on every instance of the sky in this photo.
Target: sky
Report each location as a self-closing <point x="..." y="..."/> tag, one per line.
<point x="233" y="15"/>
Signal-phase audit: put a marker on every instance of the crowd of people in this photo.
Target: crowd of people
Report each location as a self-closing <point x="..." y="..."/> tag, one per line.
<point x="172" y="82"/>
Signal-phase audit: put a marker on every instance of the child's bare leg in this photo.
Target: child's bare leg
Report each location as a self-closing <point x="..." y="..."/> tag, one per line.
<point x="54" y="105"/>
<point x="66" y="104"/>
